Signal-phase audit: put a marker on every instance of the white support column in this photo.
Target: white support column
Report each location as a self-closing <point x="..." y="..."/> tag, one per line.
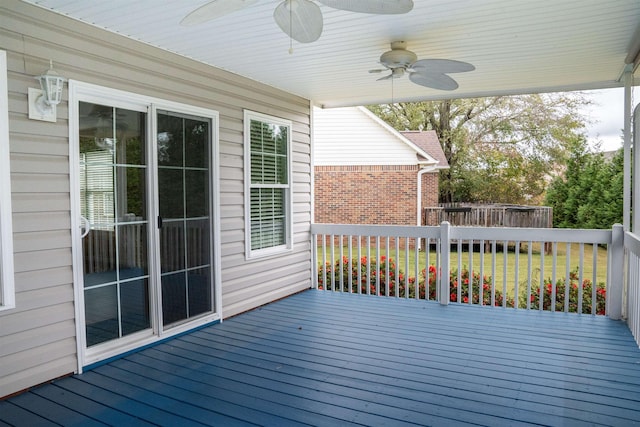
<point x="445" y="256"/>
<point x="635" y="120"/>
<point x="630" y="190"/>
<point x="616" y="273"/>
<point x="627" y="187"/>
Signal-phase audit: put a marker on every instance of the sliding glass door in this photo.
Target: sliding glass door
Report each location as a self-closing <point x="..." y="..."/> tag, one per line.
<point x="184" y="207"/>
<point x="113" y="189"/>
<point x="146" y="217"/>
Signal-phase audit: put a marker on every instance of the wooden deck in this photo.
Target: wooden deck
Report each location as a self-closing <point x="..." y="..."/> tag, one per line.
<point x="323" y="358"/>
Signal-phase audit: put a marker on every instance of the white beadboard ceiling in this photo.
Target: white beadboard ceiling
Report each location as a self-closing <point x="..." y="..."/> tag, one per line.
<point x="517" y="46"/>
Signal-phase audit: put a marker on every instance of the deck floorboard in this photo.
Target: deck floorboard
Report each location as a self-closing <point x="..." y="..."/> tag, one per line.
<point x="327" y="359"/>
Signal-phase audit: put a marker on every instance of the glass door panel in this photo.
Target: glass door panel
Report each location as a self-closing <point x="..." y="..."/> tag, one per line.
<point x="184" y="207"/>
<point x="113" y="192"/>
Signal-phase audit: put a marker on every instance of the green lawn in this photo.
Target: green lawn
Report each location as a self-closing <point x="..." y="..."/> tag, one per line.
<point x="524" y="273"/>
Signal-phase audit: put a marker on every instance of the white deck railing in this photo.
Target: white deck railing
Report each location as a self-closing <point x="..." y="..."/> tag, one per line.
<point x="507" y="267"/>
<point x="632" y="246"/>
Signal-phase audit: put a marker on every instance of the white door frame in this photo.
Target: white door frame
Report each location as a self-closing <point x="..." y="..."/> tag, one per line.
<point x="80" y="91"/>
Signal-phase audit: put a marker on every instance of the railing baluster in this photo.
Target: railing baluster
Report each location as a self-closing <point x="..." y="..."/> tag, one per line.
<point x="388" y="261"/>
<point x="553" y="276"/>
<point x="444" y="264"/>
<point x="427" y="255"/>
<point x="529" y="261"/>
<point x="324" y="262"/>
<point x="493" y="273"/>
<point x="459" y="290"/>
<point x="358" y="264"/>
<point x="580" y="278"/>
<point x="481" y="278"/>
<point x="368" y="265"/>
<point x="406" y="268"/>
<point x="541" y="299"/>
<point x="333" y="256"/>
<point x="342" y="264"/>
<point x="397" y="269"/>
<point x="516" y="283"/>
<point x="505" y="253"/>
<point x="594" y="284"/>
<point x="350" y="262"/>
<point x="416" y="251"/>
<point x="567" y="281"/>
<point x="378" y="265"/>
<point x="470" y="273"/>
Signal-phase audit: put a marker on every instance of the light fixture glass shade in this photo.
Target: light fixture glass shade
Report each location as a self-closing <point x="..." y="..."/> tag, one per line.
<point x="51" y="83"/>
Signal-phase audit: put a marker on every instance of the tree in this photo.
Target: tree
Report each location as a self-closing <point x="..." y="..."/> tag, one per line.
<point x="499" y="149"/>
<point x="589" y="193"/>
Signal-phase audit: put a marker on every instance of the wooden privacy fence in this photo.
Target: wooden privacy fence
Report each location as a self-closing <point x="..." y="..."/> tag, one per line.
<point x="489" y="215"/>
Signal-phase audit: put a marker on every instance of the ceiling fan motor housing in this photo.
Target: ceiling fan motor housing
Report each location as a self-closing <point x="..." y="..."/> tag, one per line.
<point x="398" y="56"/>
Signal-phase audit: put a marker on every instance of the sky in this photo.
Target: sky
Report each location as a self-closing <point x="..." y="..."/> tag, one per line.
<point x="607" y="115"/>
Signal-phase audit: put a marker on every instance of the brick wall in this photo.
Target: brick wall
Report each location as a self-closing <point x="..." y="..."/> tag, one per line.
<point x="430" y="189"/>
<point x="371" y="194"/>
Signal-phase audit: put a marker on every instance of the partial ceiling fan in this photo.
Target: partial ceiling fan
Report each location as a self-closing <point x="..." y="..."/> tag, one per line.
<point x="431" y="73"/>
<point x="299" y="19"/>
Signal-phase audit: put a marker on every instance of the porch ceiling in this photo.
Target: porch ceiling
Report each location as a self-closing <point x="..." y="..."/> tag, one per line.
<point x="516" y="46"/>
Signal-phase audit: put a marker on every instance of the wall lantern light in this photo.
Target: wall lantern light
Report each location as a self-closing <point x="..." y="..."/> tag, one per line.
<point x="42" y="103"/>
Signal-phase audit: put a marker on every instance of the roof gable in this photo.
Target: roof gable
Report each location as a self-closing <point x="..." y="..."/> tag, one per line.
<point x="428" y="141"/>
<point x="356" y="136"/>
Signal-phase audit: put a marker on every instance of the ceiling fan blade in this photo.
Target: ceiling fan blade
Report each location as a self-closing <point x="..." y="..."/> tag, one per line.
<point x="378" y="70"/>
<point x="214" y="9"/>
<point x="380" y="7"/>
<point x="434" y="81"/>
<point x="439" y="66"/>
<point x="389" y="77"/>
<point x="299" y="19"/>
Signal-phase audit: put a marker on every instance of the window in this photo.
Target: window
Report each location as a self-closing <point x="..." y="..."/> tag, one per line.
<point x="268" y="184"/>
<point x="7" y="295"/>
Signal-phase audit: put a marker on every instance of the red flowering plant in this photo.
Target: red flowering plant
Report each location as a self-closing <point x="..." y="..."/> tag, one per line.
<point x="574" y="295"/>
<point x="346" y="271"/>
<point x="370" y="276"/>
<point x="470" y="286"/>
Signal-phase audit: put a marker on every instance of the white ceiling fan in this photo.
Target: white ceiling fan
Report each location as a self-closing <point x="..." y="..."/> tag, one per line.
<point x="430" y="73"/>
<point x="299" y="19"/>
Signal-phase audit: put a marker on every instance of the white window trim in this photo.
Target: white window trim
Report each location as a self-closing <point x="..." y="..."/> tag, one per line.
<point x="288" y="246"/>
<point x="7" y="280"/>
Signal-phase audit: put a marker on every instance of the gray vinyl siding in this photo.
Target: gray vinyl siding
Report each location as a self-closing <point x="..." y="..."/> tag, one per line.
<point x="37" y="338"/>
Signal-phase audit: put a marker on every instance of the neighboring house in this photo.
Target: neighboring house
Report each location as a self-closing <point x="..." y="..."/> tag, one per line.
<point x="366" y="172"/>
